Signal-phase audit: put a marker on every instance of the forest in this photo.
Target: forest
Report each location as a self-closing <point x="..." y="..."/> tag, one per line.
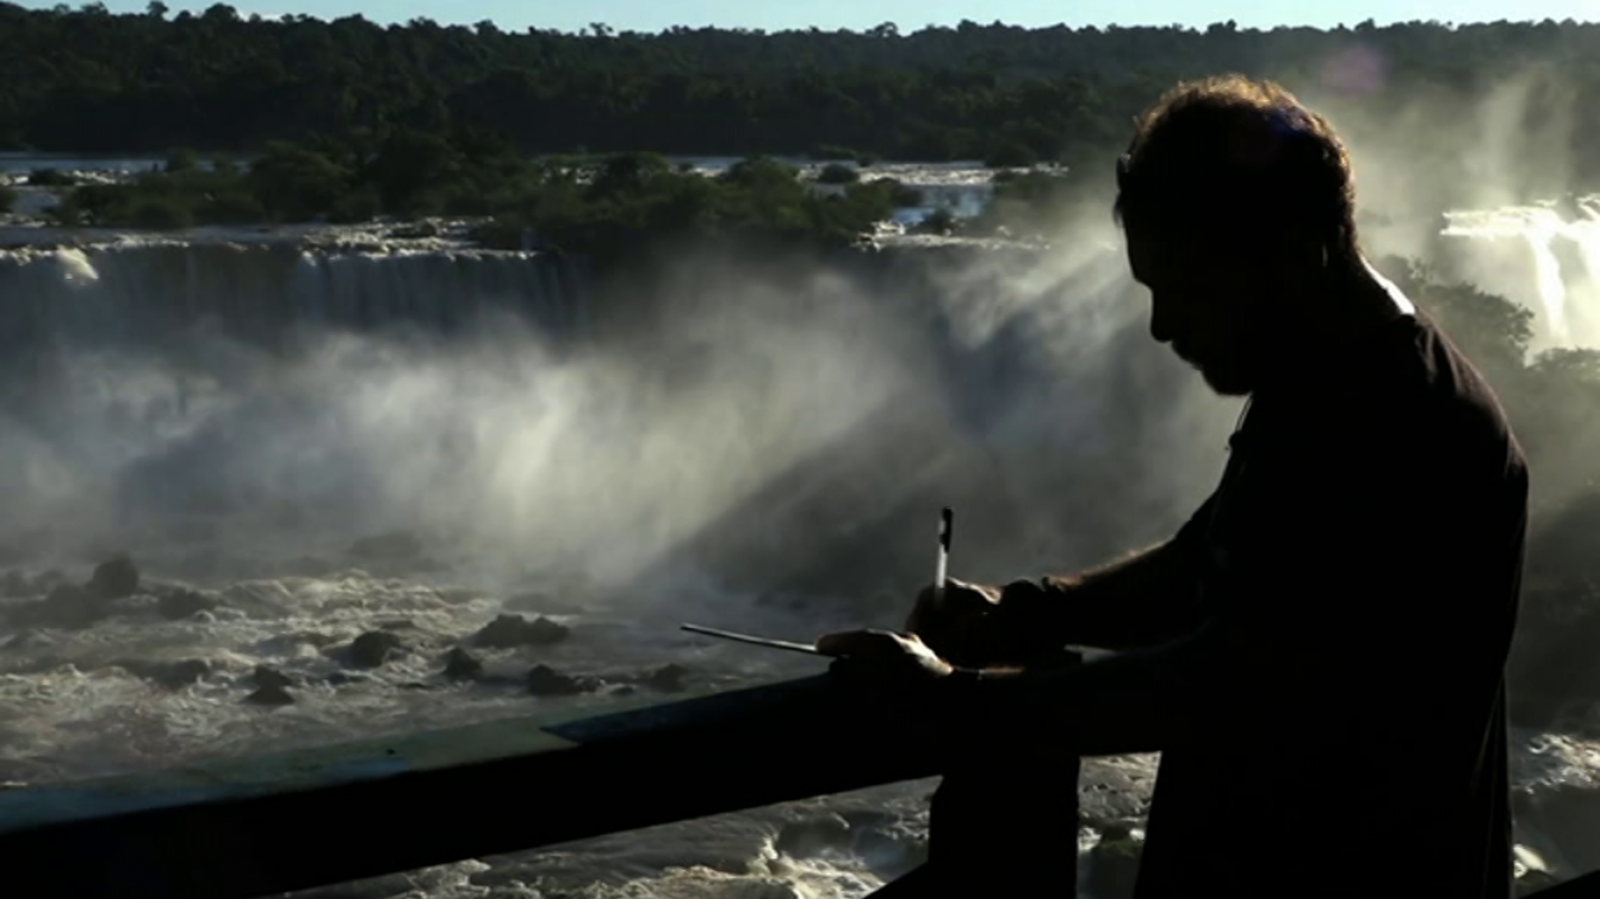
<point x="86" y="80"/>
<point x="296" y="118"/>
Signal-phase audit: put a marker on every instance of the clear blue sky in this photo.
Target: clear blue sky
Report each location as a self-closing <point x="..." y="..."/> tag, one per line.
<point x="910" y="15"/>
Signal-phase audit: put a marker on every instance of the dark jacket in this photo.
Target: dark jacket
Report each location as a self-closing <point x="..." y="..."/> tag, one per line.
<point x="1329" y="700"/>
<point x="1364" y="555"/>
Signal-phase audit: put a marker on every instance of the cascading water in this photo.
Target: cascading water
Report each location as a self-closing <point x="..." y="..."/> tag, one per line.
<point x="139" y="293"/>
<point x="1545" y="257"/>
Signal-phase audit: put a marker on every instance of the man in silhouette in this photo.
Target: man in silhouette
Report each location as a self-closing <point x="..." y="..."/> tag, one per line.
<point x="1319" y="652"/>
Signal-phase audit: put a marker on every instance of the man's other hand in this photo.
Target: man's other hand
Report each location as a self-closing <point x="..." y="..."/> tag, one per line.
<point x="882" y="657"/>
<point x="953" y="623"/>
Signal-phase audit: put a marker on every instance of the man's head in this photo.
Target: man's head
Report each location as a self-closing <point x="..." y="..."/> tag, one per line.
<point x="1238" y="204"/>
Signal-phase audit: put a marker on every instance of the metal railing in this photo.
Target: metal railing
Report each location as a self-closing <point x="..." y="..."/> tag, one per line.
<point x="269" y="824"/>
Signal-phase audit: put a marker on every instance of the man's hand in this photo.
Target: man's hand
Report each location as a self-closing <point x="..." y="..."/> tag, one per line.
<point x="949" y="625"/>
<point x="882" y="657"/>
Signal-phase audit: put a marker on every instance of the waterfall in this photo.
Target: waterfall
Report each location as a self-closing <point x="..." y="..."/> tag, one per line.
<point x="146" y="293"/>
<point x="1545" y="257"/>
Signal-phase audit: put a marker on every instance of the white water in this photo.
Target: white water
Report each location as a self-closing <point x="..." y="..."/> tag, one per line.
<point x="1544" y="257"/>
<point x="207" y="419"/>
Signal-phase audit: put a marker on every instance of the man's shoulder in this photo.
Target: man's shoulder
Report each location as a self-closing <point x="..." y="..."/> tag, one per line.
<point x="1451" y="386"/>
<point x="1411" y="366"/>
<point x="1407" y="392"/>
<point x="1427" y="396"/>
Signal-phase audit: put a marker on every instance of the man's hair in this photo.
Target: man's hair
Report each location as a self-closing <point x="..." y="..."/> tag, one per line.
<point x="1231" y="156"/>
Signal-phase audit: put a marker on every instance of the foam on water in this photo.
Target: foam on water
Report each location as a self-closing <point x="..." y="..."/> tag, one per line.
<point x="68" y="710"/>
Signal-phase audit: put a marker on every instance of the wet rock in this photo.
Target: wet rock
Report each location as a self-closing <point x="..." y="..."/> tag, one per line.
<point x="179" y="604"/>
<point x="509" y="631"/>
<point x="1114" y="864"/>
<point x="460" y="665"/>
<point x="395" y="545"/>
<point x="399" y="624"/>
<point x="802" y="839"/>
<point x="668" y="678"/>
<point x="270" y="696"/>
<point x="177" y="675"/>
<point x="265" y="676"/>
<point x="415" y="231"/>
<point x="115" y="578"/>
<point x="170" y="675"/>
<point x="1116" y="833"/>
<point x="67" y="607"/>
<point x="13" y="585"/>
<point x="546" y="681"/>
<point x="293" y="640"/>
<point x="373" y="649"/>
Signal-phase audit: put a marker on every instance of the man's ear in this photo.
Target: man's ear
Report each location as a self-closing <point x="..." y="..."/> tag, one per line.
<point x="1299" y="256"/>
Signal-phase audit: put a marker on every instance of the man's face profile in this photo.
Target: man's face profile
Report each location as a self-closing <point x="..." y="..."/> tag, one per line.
<point x="1208" y="304"/>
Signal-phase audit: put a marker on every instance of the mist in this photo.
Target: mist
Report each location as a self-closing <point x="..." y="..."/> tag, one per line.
<point x="762" y="424"/>
<point x="778" y="424"/>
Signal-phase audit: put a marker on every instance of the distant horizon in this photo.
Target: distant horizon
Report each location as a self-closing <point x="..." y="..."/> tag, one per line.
<point x="908" y="17"/>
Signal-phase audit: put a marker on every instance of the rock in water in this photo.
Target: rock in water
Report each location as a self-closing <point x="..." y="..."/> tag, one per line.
<point x="180" y="604"/>
<point x="509" y="631"/>
<point x="802" y="839"/>
<point x="668" y="678"/>
<point x="460" y="665"/>
<point x="546" y="681"/>
<point x="265" y="676"/>
<point x="170" y="675"/>
<point x="115" y="578"/>
<point x="67" y="607"/>
<point x="373" y="649"/>
<point x="270" y="696"/>
<point x="182" y="674"/>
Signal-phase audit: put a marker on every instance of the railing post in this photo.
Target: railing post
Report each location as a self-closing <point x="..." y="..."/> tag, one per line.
<point x="1003" y="823"/>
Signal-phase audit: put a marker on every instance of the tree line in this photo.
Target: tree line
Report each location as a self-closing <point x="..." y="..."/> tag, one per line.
<point x="86" y="80"/>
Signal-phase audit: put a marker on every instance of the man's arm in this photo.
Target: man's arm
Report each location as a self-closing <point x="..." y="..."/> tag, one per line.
<point x="1143" y="599"/>
<point x="1321" y="603"/>
<point x="1143" y="700"/>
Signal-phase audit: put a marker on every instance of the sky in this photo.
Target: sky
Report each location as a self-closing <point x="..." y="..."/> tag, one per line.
<point x="909" y="15"/>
